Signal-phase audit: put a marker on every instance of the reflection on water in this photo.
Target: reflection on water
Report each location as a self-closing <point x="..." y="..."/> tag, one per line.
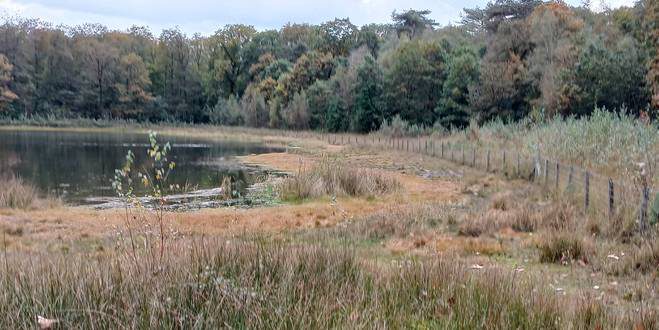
<point x="80" y="165"/>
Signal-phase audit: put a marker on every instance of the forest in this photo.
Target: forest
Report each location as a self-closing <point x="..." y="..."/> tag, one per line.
<point x="509" y="60"/>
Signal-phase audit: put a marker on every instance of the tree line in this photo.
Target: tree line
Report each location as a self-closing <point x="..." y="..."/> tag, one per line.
<point x="510" y="59"/>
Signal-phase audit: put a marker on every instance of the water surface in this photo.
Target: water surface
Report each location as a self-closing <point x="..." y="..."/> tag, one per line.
<point x="79" y="166"/>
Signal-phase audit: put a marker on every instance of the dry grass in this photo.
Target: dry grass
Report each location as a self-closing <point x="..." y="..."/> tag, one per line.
<point x="487" y="222"/>
<point x="525" y="219"/>
<point x="401" y="222"/>
<point x="563" y="247"/>
<point x="271" y="285"/>
<point x="334" y="178"/>
<point x="644" y="260"/>
<point x="17" y="194"/>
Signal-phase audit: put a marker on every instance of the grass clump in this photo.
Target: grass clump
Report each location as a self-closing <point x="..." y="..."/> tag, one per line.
<point x="17" y="194"/>
<point x="334" y="178"/>
<point x="525" y="220"/>
<point x="646" y="259"/>
<point x="563" y="247"/>
<point x="399" y="222"/>
<point x="477" y="224"/>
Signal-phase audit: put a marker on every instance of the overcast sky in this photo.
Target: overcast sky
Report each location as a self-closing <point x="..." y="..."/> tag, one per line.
<point x="206" y="16"/>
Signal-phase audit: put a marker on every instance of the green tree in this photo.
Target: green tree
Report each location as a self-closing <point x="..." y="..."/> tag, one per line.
<point x="336" y="119"/>
<point x="454" y="109"/>
<point x="296" y="114"/>
<point x="412" y="23"/>
<point x="174" y="80"/>
<point x="369" y="113"/>
<point x="309" y="68"/>
<point x="318" y="97"/>
<point x="650" y="26"/>
<point x="608" y="78"/>
<point x="226" y="112"/>
<point x="232" y="69"/>
<point x="338" y="36"/>
<point x="413" y="81"/>
<point x="99" y="60"/>
<point x="497" y="12"/>
<point x="505" y="89"/>
<point x="254" y="109"/>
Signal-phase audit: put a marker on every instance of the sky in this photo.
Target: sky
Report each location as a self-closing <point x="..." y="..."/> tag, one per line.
<point x="207" y="16"/>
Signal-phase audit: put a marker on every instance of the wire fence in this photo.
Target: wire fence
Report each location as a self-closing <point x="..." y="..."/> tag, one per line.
<point x="599" y="195"/>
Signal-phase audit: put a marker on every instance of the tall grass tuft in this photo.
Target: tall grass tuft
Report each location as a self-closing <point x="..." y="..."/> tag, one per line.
<point x="17" y="194"/>
<point x="563" y="247"/>
<point x="334" y="178"/>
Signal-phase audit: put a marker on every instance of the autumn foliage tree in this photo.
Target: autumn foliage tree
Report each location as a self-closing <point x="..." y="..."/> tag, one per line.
<point x="6" y="95"/>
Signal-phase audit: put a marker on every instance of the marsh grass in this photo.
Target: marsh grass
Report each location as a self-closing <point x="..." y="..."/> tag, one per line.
<point x="610" y="143"/>
<point x="18" y="194"/>
<point x="334" y="178"/>
<point x="264" y="284"/>
<point x="399" y="222"/>
<point x="563" y="247"/>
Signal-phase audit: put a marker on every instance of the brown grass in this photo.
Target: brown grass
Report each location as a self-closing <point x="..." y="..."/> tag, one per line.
<point x="16" y="194"/>
<point x="563" y="247"/>
<point x="334" y="178"/>
<point x="477" y="224"/>
<point x="265" y="284"/>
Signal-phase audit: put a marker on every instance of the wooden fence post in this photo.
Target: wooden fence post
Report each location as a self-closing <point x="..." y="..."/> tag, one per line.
<point x="473" y="157"/>
<point x="558" y="171"/>
<point x="518" y="169"/>
<point x="643" y="212"/>
<point x="611" y="198"/>
<point x="546" y="172"/>
<point x="503" y="162"/>
<point x="452" y="151"/>
<point x="570" y="176"/>
<point x="487" y="167"/>
<point x="463" y="154"/>
<point x="587" y="191"/>
<point x="442" y="149"/>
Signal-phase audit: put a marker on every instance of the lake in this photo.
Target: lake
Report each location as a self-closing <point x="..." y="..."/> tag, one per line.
<point x="79" y="166"/>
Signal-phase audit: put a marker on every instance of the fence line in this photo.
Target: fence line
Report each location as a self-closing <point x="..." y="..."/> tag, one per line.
<point x="600" y="194"/>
